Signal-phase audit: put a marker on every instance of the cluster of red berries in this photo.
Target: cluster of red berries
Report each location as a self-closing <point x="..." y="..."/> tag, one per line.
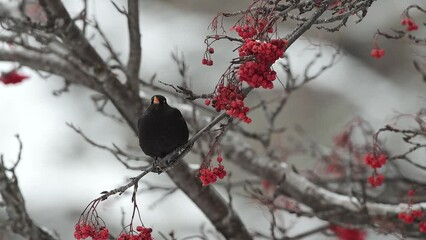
<point x="208" y="61"/>
<point x="375" y="161"/>
<point x="265" y="52"/>
<point x="84" y="230"/>
<point x="376" y="180"/>
<point x="230" y="98"/>
<point x="208" y="176"/>
<point x="409" y="22"/>
<point x="246" y="31"/>
<point x="12" y="77"/>
<point x="377" y="53"/>
<point x="144" y="234"/>
<point x="348" y="233"/>
<point x="255" y="69"/>
<point x="259" y="73"/>
<point x="251" y="28"/>
<point x="409" y="216"/>
<point x="422" y="227"/>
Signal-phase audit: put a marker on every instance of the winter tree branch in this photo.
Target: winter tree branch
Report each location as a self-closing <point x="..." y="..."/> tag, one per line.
<point x="18" y="220"/>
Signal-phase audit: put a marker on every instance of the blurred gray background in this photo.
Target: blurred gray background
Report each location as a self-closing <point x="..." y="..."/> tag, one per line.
<point x="60" y="174"/>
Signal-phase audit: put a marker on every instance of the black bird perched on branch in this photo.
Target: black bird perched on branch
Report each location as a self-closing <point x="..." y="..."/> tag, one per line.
<point x="161" y="128"/>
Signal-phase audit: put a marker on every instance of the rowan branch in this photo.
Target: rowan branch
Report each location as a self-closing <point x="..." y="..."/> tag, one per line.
<point x="73" y="37"/>
<point x="51" y="63"/>
<point x="354" y="211"/>
<point x="117" y="152"/>
<point x="19" y="220"/>
<point x="135" y="50"/>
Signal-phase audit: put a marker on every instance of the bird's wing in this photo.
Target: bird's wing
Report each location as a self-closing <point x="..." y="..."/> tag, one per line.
<point x="178" y="115"/>
<point x="182" y="125"/>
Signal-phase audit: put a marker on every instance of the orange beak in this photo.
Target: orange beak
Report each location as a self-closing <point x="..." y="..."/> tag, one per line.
<point x="156" y="100"/>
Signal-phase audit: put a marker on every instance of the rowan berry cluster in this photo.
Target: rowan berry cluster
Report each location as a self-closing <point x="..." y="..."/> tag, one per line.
<point x="143" y="233"/>
<point x="207" y="62"/>
<point x="422" y="227"/>
<point x="208" y="176"/>
<point x="86" y="230"/>
<point x="264" y="52"/>
<point x="246" y="31"/>
<point x="409" y="22"/>
<point x="409" y="216"/>
<point x="251" y="28"/>
<point x="12" y="77"/>
<point x="377" y="53"/>
<point x="207" y="59"/>
<point x="230" y="99"/>
<point x="257" y="53"/>
<point x="259" y="73"/>
<point x="375" y="161"/>
<point x="376" y="180"/>
<point x="348" y="233"/>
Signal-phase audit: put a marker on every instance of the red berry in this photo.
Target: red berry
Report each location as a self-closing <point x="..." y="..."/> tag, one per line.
<point x="348" y="233"/>
<point x="210" y="62"/>
<point x="422" y="227"/>
<point x="204" y="61"/>
<point x="374" y="161"/>
<point x="207" y="102"/>
<point x="413" y="27"/>
<point x="211" y="50"/>
<point x="258" y="73"/>
<point x="12" y="77"/>
<point x="407" y="218"/>
<point x="377" y="53"/>
<point x="409" y="22"/>
<point x="376" y="180"/>
<point x="417" y="213"/>
<point x="230" y="99"/>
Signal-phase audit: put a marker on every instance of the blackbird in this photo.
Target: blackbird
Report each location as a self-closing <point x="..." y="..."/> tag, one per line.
<point x="161" y="128"/>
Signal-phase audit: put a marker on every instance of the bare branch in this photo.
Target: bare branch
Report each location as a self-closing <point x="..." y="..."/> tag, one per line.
<point x="116" y="152"/>
<point x="101" y="102"/>
<point x="49" y="62"/>
<point x="65" y="26"/>
<point x="297" y="32"/>
<point x="420" y="70"/>
<point x="19" y="220"/>
<point x="298" y="187"/>
<point x="135" y="50"/>
<point x="120" y="190"/>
